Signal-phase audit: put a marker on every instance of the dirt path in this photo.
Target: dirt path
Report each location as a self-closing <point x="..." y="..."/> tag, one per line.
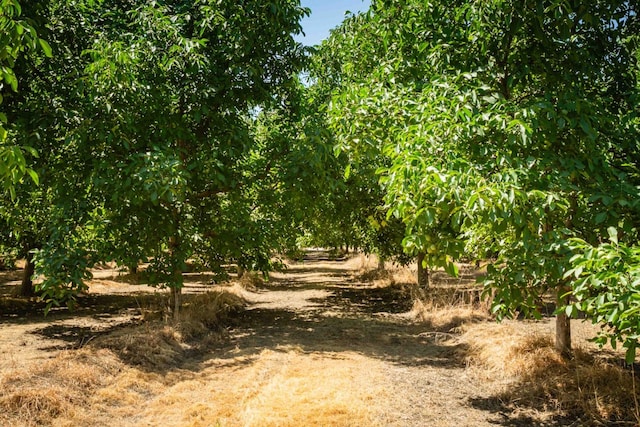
<point x="318" y="349"/>
<point x="314" y="347"/>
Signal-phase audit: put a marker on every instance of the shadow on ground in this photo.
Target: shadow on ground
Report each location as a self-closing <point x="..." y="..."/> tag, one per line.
<point x="508" y="418"/>
<point x="75" y="336"/>
<point x="26" y="310"/>
<point x="332" y="332"/>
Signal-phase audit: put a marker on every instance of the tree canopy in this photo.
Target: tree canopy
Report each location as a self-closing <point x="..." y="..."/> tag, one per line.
<point x="17" y="36"/>
<point x="146" y="115"/>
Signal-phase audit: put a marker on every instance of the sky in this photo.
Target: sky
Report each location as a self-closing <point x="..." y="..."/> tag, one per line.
<point x="326" y="15"/>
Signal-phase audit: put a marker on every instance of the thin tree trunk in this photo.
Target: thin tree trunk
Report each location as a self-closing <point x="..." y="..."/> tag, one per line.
<point x="176" y="300"/>
<point x="563" y="326"/>
<point x="563" y="322"/>
<point x="424" y="279"/>
<point x="381" y="261"/>
<point x="176" y="288"/>
<point x="240" y="271"/>
<point x="26" y="288"/>
<point x="178" y="260"/>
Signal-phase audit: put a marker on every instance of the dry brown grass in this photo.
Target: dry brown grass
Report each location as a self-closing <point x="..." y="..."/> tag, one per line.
<point x="159" y="344"/>
<point x="61" y="390"/>
<point x="308" y="390"/>
<point x="365" y="268"/>
<point x="161" y="372"/>
<point x="210" y="309"/>
<point x="360" y="262"/>
<point x="529" y="375"/>
<point x="517" y="359"/>
<point x="57" y="388"/>
<point x="442" y="307"/>
<point x="250" y="280"/>
<point x="286" y="388"/>
<point x="151" y="345"/>
<point x="447" y="318"/>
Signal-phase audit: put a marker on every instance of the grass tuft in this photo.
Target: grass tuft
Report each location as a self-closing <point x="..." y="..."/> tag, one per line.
<point x="534" y="377"/>
<point x="158" y="344"/>
<point x="251" y="280"/>
<point x="447" y="318"/>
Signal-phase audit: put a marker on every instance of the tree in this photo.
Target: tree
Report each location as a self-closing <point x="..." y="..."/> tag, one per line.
<point x="43" y="115"/>
<point x="22" y="228"/>
<point x="519" y="116"/>
<point x="18" y="35"/>
<point x="145" y="122"/>
<point x="169" y="147"/>
<point x="607" y="289"/>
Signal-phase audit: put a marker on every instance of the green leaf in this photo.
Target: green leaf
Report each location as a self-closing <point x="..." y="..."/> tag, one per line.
<point x="630" y="355"/>
<point x="45" y="48"/>
<point x="451" y="268"/>
<point x="34" y="176"/>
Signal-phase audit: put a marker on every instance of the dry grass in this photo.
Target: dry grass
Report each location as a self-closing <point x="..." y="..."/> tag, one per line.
<point x="250" y="280"/>
<point x="151" y="345"/>
<point x="361" y="263"/>
<point x="283" y="388"/>
<point x="443" y="308"/>
<point x="517" y="359"/>
<point x="60" y="391"/>
<point x="447" y="318"/>
<point x="308" y="390"/>
<point x="530" y="376"/>
<point x="365" y="268"/>
<point x="57" y="388"/>
<point x="209" y="310"/>
<point x="162" y="343"/>
<point x="157" y="373"/>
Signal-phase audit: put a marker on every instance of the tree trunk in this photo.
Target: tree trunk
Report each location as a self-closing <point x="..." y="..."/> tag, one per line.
<point x="176" y="300"/>
<point x="133" y="269"/>
<point x="563" y="326"/>
<point x="424" y="279"/>
<point x="381" y="261"/>
<point x="176" y="285"/>
<point x="563" y="322"/>
<point x="26" y="288"/>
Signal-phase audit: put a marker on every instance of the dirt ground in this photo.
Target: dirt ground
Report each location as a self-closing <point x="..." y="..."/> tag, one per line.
<point x="314" y="347"/>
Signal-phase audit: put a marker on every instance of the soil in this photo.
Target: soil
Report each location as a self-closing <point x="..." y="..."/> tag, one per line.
<point x="315" y="346"/>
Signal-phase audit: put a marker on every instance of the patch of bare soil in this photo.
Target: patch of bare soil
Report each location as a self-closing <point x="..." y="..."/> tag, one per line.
<point x="315" y="346"/>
